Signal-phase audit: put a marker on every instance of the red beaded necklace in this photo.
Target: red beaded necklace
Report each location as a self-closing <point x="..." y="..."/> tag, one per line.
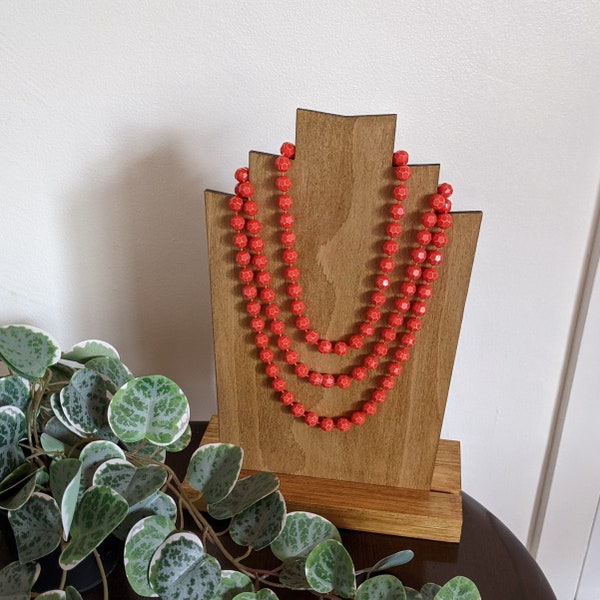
<point x="420" y="274"/>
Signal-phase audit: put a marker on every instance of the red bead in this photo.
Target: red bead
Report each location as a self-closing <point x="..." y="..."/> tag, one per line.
<point x="380" y="349"/>
<point x="285" y="202"/>
<point x="430" y="275"/>
<point x="297" y="409"/>
<point x="240" y="240"/>
<point x="290" y="256"/>
<point x="340" y="348"/>
<point x="393" y="230"/>
<point x="343" y="424"/>
<point x="282" y="163"/>
<point x="288" y="238"/>
<point x="390" y="247"/>
<point x="370" y="408"/>
<point x="253" y="226"/>
<point x="445" y="189"/>
<point x="437" y="202"/>
<point x="429" y="219"/>
<point x="286" y="220"/>
<point x="402" y="355"/>
<point x="294" y="290"/>
<point x="388" y="335"/>
<point x="272" y="370"/>
<point x="435" y="258"/>
<point x="267" y="295"/>
<point x="257" y="324"/>
<point x="423" y="237"/>
<point x="400" y="158"/>
<point x="328" y="380"/>
<point x="291" y="357"/>
<point x="236" y="203"/>
<point x="311" y="419"/>
<point x="288" y="150"/>
<point x="373" y="314"/>
<point x="400" y="193"/>
<point x="244" y="189"/>
<point x="358" y="418"/>
<point x="371" y="362"/>
<point x="301" y="370"/>
<point x="278" y="384"/>
<point x="367" y="329"/>
<point x="395" y="369"/>
<point x="284" y="342"/>
<point x="283" y="183"/>
<point x="359" y="373"/>
<point x="403" y="173"/>
<point x="260" y="261"/>
<point x="386" y="265"/>
<point x="257" y="244"/>
<point x="250" y="208"/>
<point x="262" y="341"/>
<point x="408" y="288"/>
<point x="277" y="327"/>
<point x="292" y="273"/>
<point x="402" y="305"/>
<point x="413" y="272"/>
<point x="297" y="307"/>
<point x="266" y="354"/>
<point x="243" y="258"/>
<point x="272" y="311"/>
<point x="287" y="398"/>
<point x="378" y="396"/>
<point x="246" y="275"/>
<point x="356" y="342"/>
<point x="303" y="323"/>
<point x="439" y="239"/>
<point x="444" y="221"/>
<point x="388" y="383"/>
<point x="419" y="308"/>
<point x="448" y="206"/>
<point x="397" y="211"/>
<point x="395" y="320"/>
<point x="382" y="282"/>
<point x="343" y="381"/>
<point x="311" y="337"/>
<point x="424" y="292"/>
<point x="253" y="308"/>
<point x="325" y="347"/>
<point x="327" y="424"/>
<point x="408" y="340"/>
<point x="242" y="174"/>
<point x="418" y="254"/>
<point x="414" y="324"/>
<point x="378" y="298"/>
<point x="237" y="222"/>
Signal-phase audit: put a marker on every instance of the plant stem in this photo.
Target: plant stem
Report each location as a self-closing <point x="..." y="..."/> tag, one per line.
<point x="102" y="574"/>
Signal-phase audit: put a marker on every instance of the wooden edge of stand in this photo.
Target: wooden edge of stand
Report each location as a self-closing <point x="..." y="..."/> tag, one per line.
<point x="434" y="514"/>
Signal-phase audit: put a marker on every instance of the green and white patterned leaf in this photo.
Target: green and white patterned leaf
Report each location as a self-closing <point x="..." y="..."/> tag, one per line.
<point x="16" y="580"/>
<point x="88" y="349"/>
<point x="98" y="513"/>
<point x="141" y="544"/>
<point x="55" y="428"/>
<point x="233" y="583"/>
<point x="302" y="532"/>
<point x="10" y="458"/>
<point x="412" y="594"/>
<point x="153" y="408"/>
<point x="245" y="493"/>
<point x="65" y="481"/>
<point x="69" y="593"/>
<point x="393" y="560"/>
<point x="258" y="525"/>
<point x="36" y="526"/>
<point x="133" y="483"/>
<point x="429" y="591"/>
<point x="458" y="588"/>
<point x="13" y="426"/>
<point x="264" y="594"/>
<point x="93" y="455"/>
<point x="181" y="569"/>
<point x="14" y="391"/>
<point x="148" y="450"/>
<point x="329" y="567"/>
<point x="112" y="370"/>
<point x="293" y="574"/>
<point x="182" y="442"/>
<point x="17" y="487"/>
<point x="381" y="587"/>
<point x="60" y="415"/>
<point x="84" y="402"/>
<point x="214" y="470"/>
<point x="158" y="504"/>
<point x="28" y="351"/>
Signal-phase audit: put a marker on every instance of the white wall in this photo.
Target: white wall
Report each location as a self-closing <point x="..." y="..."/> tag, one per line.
<point x="115" y="116"/>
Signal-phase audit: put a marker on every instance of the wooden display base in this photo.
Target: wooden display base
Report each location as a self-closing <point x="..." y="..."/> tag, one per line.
<point x="434" y="515"/>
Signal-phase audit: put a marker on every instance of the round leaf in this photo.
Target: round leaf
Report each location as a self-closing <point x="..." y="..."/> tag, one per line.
<point x="302" y="532"/>
<point x="84" y="402"/>
<point x="16" y="580"/>
<point x="37" y="527"/>
<point x="329" y="567"/>
<point x="88" y="349"/>
<point x="14" y="391"/>
<point x="258" y="525"/>
<point x="233" y="583"/>
<point x="143" y="540"/>
<point x="293" y="574"/>
<point x="153" y="408"/>
<point x="13" y="426"/>
<point x="181" y="569"/>
<point x="158" y="504"/>
<point x="458" y="588"/>
<point x="112" y="370"/>
<point x="214" y="470"/>
<point x="429" y="591"/>
<point x="93" y="455"/>
<point x="28" y="351"/>
<point x="381" y="587"/>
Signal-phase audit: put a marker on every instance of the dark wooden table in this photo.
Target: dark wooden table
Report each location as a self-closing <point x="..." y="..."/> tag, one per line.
<point x="488" y="553"/>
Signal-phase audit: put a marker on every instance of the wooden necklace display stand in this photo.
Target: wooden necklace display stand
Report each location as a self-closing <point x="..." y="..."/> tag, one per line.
<point x="393" y="474"/>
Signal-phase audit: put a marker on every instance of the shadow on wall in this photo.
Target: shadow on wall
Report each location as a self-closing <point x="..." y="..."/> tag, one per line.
<point x="136" y="236"/>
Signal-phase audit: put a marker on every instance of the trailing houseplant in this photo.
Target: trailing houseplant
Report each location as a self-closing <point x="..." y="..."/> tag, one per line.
<point x="82" y="457"/>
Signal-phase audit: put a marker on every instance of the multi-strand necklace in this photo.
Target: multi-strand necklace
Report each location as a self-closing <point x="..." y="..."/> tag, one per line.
<point x="410" y="303"/>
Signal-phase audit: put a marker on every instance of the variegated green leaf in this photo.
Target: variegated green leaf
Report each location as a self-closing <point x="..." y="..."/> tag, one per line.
<point x="88" y="349"/>
<point x="141" y="544"/>
<point x="133" y="483"/>
<point x="17" y="487"/>
<point x="16" y="580"/>
<point x="10" y="458"/>
<point x="412" y="594"/>
<point x="28" y="351"/>
<point x="60" y="415"/>
<point x="98" y="513"/>
<point x="214" y="470"/>
<point x="381" y="587"/>
<point x="258" y="525"/>
<point x="293" y="574"/>
<point x="302" y="532"/>
<point x="13" y="426"/>
<point x="55" y="428"/>
<point x="14" y="391"/>
<point x="65" y="479"/>
<point x="69" y="593"/>
<point x="246" y="492"/>
<point x="112" y="370"/>
<point x="93" y="455"/>
<point x="264" y="594"/>
<point x="429" y="591"/>
<point x="458" y="588"/>
<point x="393" y="560"/>
<point x="233" y="583"/>
<point x="84" y="402"/>
<point x="158" y="504"/>
<point x="181" y="569"/>
<point x="36" y="526"/>
<point x="147" y="450"/>
<point x="329" y="567"/>
<point x="182" y="442"/>
<point x="153" y="408"/>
